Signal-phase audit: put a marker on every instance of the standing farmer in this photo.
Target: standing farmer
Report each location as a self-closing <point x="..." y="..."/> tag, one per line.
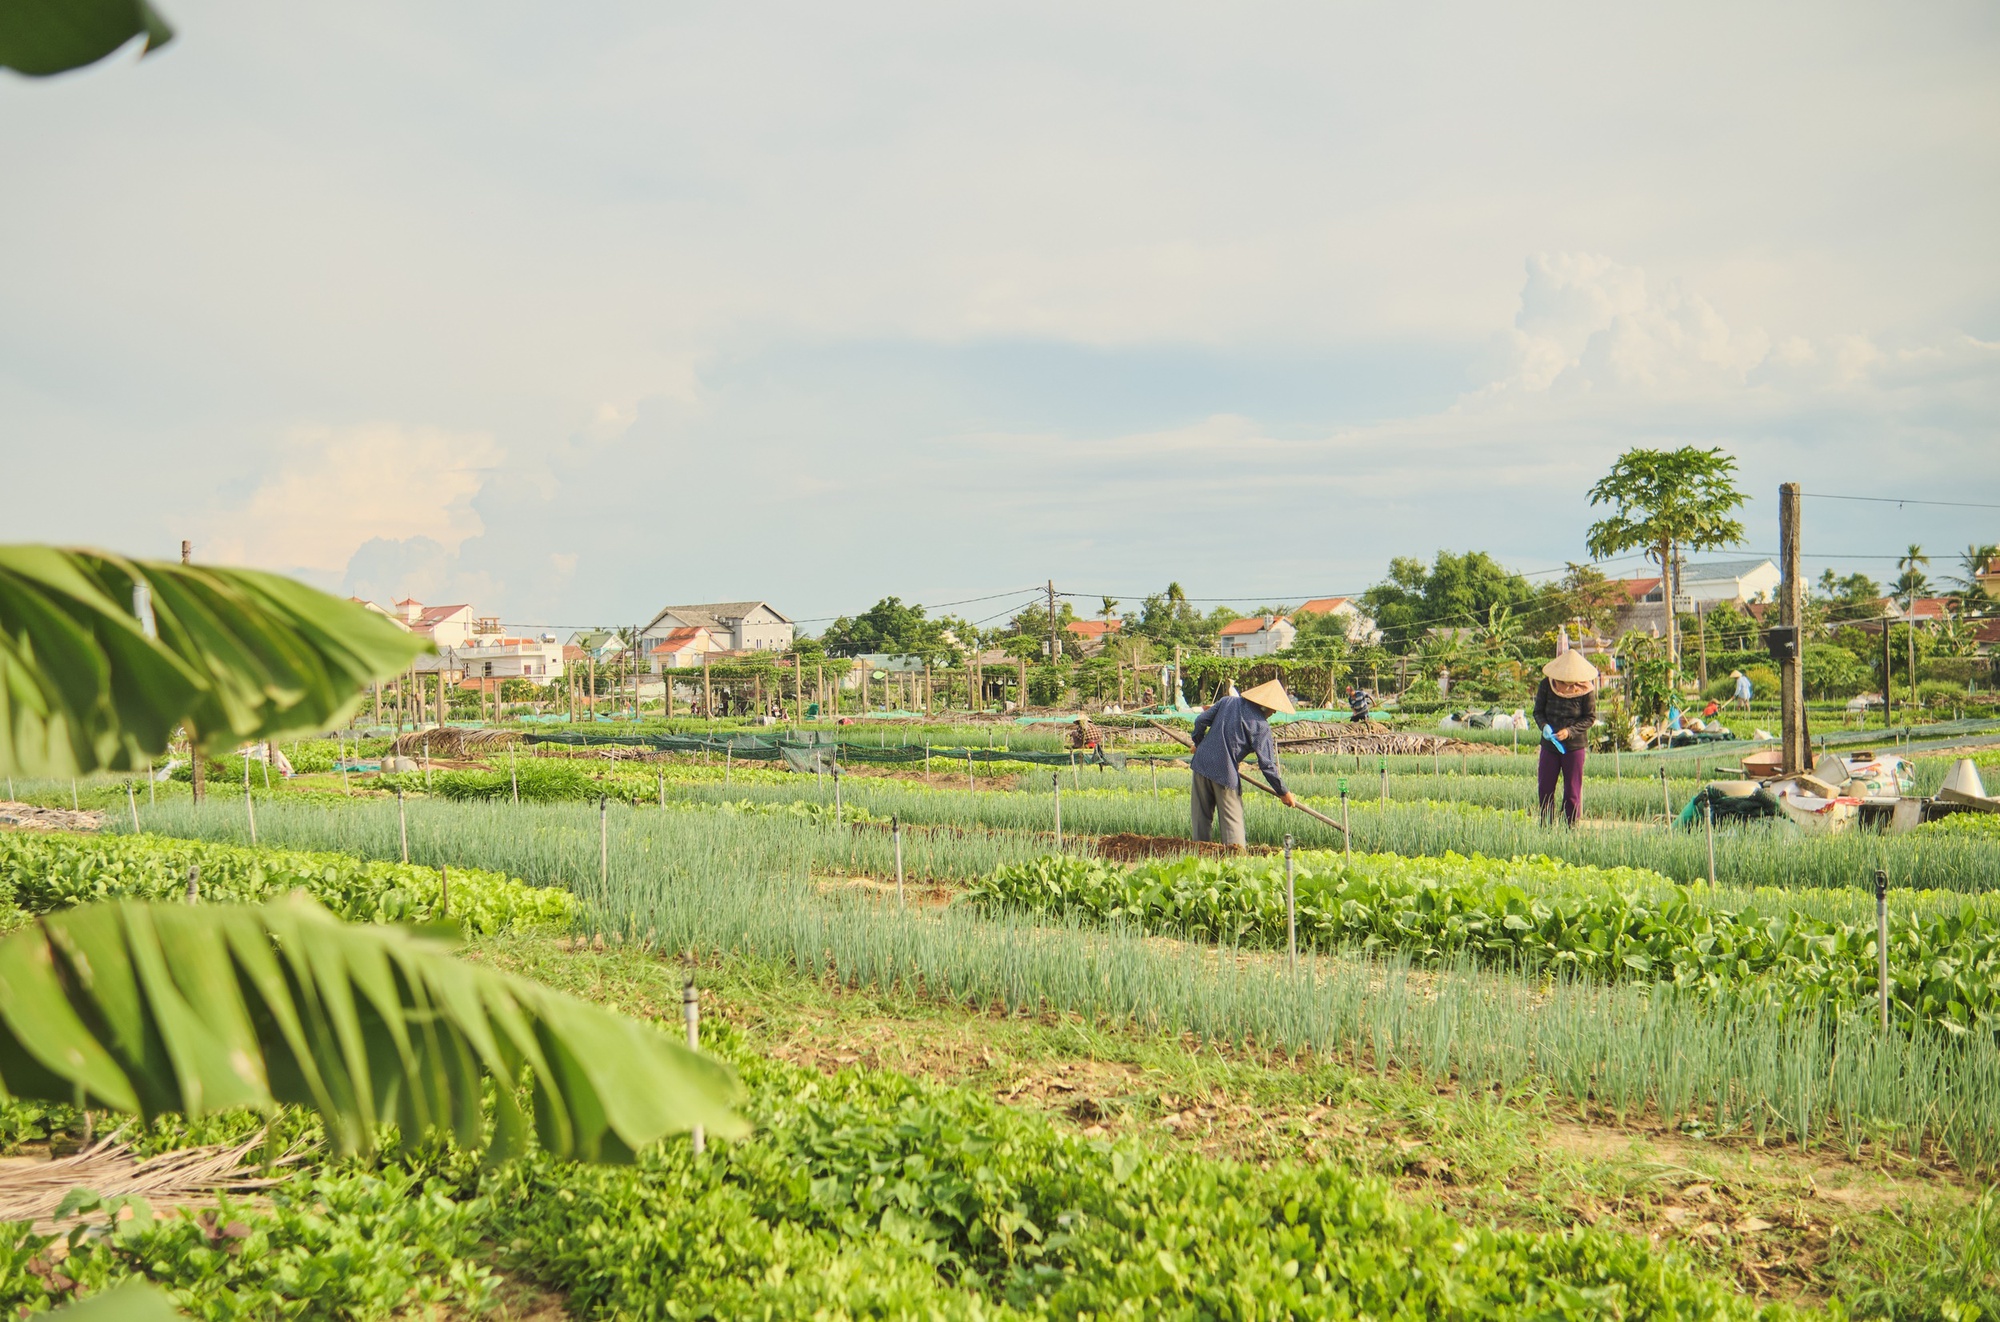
<point x="1742" y="689"/>
<point x="1565" y="709"/>
<point x="1225" y="734"/>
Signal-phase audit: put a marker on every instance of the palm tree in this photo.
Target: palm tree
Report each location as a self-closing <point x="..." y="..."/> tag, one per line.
<point x="1970" y="566"/>
<point x="1913" y="583"/>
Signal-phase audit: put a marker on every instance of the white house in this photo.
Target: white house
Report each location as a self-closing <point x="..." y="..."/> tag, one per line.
<point x="447" y="626"/>
<point x="1730" y="580"/>
<point x="1360" y="626"/>
<point x="749" y="626"/>
<point x="497" y="656"/>
<point x="682" y="648"/>
<point x="1259" y="635"/>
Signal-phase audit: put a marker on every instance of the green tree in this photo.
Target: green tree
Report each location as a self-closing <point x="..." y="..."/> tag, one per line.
<point x="1971" y="564"/>
<point x="888" y="626"/>
<point x="1666" y="502"/>
<point x="1912" y="582"/>
<point x="1168" y="618"/>
<point x="1583" y="600"/>
<point x="1320" y="637"/>
<point x="1455" y="591"/>
<point x="1830" y="671"/>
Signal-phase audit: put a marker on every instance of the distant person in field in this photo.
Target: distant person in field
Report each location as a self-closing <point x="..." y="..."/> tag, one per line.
<point x="1225" y="734"/>
<point x="1742" y="695"/>
<point x="1565" y="709"/>
<point x="1360" y="700"/>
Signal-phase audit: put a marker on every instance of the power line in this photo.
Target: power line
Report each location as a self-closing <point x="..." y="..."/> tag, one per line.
<point x="1902" y="500"/>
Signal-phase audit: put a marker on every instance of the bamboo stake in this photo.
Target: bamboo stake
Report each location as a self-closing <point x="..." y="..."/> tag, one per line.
<point x="1056" y="779"/>
<point x="1882" y="942"/>
<point x="691" y="1012"/>
<point x="1291" y="913"/>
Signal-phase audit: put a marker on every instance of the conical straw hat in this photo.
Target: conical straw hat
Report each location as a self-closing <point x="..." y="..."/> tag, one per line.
<point x="1964" y="778"/>
<point x="1571" y="668"/>
<point x="1271" y="696"/>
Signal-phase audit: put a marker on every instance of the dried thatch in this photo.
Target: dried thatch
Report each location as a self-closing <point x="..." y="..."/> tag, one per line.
<point x="27" y="817"/>
<point x="454" y="743"/>
<point x="32" y="1189"/>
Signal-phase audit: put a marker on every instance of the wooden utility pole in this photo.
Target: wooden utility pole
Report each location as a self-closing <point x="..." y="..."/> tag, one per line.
<point x="200" y="780"/>
<point x="1888" y="685"/>
<point x="1792" y="601"/>
<point x="1701" y="637"/>
<point x="1055" y="644"/>
<point x="1021" y="698"/>
<point x="1910" y="633"/>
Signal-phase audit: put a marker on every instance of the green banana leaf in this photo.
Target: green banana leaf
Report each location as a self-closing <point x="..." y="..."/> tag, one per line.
<point x="151" y="1008"/>
<point x="51" y="36"/>
<point x="102" y="658"/>
<point x="130" y="1301"/>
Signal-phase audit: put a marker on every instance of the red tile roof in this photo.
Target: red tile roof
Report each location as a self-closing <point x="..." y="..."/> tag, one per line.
<point x="1929" y="608"/>
<point x="1255" y="624"/>
<point x="433" y="616"/>
<point x="1094" y="628"/>
<point x="1636" y="588"/>
<point x="676" y="640"/>
<point x="1324" y="605"/>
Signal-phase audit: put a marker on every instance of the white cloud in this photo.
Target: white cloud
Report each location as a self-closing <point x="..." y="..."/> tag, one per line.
<point x="332" y="489"/>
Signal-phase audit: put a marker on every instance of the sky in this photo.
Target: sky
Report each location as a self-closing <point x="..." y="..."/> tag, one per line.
<point x="573" y="312"/>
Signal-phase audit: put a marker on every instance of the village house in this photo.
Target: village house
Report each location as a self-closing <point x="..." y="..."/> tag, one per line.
<point x="748" y="626"/>
<point x="1360" y="625"/>
<point x="496" y="656"/>
<point x="1259" y="635"/>
<point x="685" y="647"/>
<point x="452" y="628"/>
<point x="599" y="644"/>
<point x="1739" y="582"/>
<point x="1090" y="636"/>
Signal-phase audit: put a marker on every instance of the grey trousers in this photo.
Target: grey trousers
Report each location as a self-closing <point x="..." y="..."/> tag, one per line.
<point x="1212" y="801"/>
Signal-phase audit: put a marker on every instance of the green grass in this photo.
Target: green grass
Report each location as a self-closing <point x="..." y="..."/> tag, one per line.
<point x="698" y="881"/>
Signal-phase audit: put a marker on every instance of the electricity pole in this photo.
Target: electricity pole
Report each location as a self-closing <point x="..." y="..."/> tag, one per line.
<point x="1791" y="680"/>
<point x="1055" y="644"/>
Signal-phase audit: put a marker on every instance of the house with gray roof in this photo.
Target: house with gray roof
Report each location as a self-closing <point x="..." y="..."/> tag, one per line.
<point x="749" y="626"/>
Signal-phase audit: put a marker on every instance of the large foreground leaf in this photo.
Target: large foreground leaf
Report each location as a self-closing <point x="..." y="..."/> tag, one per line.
<point x="87" y="684"/>
<point x="165" y="1007"/>
<point x="50" y="36"/>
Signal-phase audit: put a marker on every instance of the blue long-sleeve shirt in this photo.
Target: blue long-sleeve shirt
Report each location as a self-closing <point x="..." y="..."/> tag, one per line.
<point x="1227" y="733"/>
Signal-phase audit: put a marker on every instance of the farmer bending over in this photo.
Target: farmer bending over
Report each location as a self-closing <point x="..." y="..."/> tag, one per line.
<point x="1224" y="735"/>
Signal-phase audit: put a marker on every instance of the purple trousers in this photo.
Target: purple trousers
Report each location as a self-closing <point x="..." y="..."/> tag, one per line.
<point x="1570" y="767"/>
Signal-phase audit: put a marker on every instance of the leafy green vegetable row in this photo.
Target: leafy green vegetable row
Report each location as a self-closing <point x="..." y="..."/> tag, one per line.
<point x="868" y="1194"/>
<point x="1614" y="923"/>
<point x="48" y="872"/>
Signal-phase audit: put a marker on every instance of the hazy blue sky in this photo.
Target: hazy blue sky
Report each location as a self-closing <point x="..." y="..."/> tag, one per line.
<point x="570" y="311"/>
